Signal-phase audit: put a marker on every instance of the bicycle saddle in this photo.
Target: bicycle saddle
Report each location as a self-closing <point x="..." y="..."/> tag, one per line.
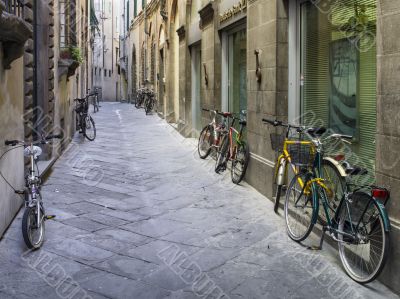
<point x="316" y="132"/>
<point x="227" y="114"/>
<point x="355" y="170"/>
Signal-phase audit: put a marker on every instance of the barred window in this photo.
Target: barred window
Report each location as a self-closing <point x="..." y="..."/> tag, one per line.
<point x="67" y="13"/>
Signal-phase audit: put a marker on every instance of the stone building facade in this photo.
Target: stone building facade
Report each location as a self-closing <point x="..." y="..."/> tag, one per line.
<point x="106" y="50"/>
<point x="43" y="67"/>
<point x="326" y="62"/>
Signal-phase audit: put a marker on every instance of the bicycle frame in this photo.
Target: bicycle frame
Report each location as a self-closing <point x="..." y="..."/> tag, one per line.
<point x="234" y="136"/>
<point x="32" y="183"/>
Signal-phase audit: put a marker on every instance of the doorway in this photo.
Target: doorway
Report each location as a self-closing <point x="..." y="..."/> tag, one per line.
<point x="234" y="69"/>
<point x="161" y="83"/>
<point x="196" y="84"/>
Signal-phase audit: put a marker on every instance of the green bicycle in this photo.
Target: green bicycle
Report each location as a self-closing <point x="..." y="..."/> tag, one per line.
<point x="358" y="221"/>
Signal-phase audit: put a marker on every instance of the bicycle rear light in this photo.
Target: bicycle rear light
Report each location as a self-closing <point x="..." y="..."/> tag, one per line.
<point x="339" y="157"/>
<point x="381" y="194"/>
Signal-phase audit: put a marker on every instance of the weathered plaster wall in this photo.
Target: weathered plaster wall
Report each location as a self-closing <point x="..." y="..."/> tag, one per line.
<point x="11" y="127"/>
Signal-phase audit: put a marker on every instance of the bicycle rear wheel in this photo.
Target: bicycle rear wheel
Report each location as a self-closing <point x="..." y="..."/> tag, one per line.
<point x="240" y="163"/>
<point x="32" y="231"/>
<point x="363" y="257"/>
<point x="299" y="208"/>
<point x="205" y="142"/>
<point x="90" y="128"/>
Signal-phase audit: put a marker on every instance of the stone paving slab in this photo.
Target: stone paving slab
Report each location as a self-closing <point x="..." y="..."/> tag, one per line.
<point x="152" y="220"/>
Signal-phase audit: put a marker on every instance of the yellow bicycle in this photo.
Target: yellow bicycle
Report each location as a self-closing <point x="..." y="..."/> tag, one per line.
<point x="298" y="154"/>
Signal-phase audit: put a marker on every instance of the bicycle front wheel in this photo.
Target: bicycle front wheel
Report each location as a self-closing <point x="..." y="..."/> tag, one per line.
<point x="365" y="248"/>
<point x="32" y="231"/>
<point x="90" y="128"/>
<point x="205" y="142"/>
<point x="222" y="155"/>
<point x="240" y="163"/>
<point x="300" y="209"/>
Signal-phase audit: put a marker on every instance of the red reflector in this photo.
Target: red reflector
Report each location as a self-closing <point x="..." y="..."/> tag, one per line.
<point x="379" y="193"/>
<point x="339" y="157"/>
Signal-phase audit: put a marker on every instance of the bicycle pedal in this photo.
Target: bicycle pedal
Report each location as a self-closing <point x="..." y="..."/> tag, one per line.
<point x="49" y="217"/>
<point x="20" y="192"/>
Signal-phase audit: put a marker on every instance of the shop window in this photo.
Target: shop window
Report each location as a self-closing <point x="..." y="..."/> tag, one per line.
<point x="338" y="70"/>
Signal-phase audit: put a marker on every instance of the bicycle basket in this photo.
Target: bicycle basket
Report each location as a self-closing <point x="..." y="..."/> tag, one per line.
<point x="277" y="141"/>
<point x="301" y="154"/>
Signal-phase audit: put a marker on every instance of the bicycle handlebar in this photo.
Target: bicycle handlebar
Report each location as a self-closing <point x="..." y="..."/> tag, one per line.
<point x="42" y="141"/>
<point x="276" y="123"/>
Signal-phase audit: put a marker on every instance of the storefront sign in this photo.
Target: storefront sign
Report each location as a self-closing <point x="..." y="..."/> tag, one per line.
<point x="230" y="13"/>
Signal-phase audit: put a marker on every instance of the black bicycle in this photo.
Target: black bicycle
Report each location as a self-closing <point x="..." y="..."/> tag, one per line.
<point x="84" y="121"/>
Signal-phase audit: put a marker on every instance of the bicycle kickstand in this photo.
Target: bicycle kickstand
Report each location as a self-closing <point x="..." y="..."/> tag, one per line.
<point x="324" y="229"/>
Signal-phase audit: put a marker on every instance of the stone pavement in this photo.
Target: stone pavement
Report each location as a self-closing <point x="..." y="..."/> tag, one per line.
<point x="139" y="215"/>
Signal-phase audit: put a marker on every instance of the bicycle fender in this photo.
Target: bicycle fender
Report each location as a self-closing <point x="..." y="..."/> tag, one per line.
<point x="315" y="204"/>
<point x="338" y="166"/>
<point x="382" y="209"/>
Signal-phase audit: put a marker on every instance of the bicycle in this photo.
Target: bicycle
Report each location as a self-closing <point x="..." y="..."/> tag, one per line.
<point x="34" y="217"/>
<point x="95" y="100"/>
<point x="281" y="144"/>
<point x="233" y="148"/>
<point x="84" y="120"/>
<point x="209" y="138"/>
<point x="359" y="222"/>
<point x="149" y="102"/>
<point x="140" y="98"/>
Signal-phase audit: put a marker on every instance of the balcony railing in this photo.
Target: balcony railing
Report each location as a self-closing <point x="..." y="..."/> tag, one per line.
<point x="15" y="7"/>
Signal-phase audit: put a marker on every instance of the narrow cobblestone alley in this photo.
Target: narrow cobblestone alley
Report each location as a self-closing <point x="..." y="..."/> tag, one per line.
<point x="139" y="215"/>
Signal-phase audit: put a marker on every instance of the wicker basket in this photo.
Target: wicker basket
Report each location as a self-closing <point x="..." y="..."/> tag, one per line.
<point x="301" y="154"/>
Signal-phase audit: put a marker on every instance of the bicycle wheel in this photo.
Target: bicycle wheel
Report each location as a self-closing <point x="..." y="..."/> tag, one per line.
<point x="222" y="155"/>
<point x="335" y="184"/>
<point x="299" y="208"/>
<point x="32" y="231"/>
<point x="240" y="163"/>
<point x="138" y="103"/>
<point x="206" y="140"/>
<point x="277" y="198"/>
<point x="363" y="257"/>
<point x="149" y="106"/>
<point x="90" y="128"/>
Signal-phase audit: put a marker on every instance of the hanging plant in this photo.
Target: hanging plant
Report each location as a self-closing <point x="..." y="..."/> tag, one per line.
<point x="76" y="54"/>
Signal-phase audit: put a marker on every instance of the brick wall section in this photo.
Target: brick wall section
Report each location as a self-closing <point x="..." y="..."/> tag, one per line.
<point x="388" y="124"/>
